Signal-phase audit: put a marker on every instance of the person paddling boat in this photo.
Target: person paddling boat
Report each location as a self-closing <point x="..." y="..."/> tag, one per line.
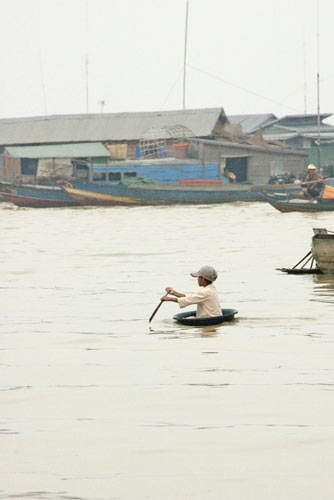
<point x="314" y="184"/>
<point x="206" y="298"/>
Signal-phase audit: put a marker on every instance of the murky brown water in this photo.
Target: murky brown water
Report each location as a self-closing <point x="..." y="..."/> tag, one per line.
<point x="95" y="403"/>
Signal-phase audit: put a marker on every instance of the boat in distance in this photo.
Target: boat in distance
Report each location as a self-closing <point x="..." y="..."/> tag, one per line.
<point x="158" y="182"/>
<point x="149" y="193"/>
<point x="323" y="250"/>
<point x="36" y="196"/>
<point x="189" y="318"/>
<point x="137" y="182"/>
<point x="299" y="204"/>
<point x="86" y="193"/>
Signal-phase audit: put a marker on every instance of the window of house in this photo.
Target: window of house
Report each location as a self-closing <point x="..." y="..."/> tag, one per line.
<point x="99" y="176"/>
<point x="130" y="174"/>
<point x="114" y="176"/>
<point x="81" y="171"/>
<point x="28" y="166"/>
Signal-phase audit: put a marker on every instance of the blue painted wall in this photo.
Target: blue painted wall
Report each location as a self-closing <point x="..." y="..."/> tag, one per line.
<point x="166" y="174"/>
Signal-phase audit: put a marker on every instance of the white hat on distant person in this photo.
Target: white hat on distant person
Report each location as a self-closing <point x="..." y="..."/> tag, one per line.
<point x="311" y="167"/>
<point x="206" y="272"/>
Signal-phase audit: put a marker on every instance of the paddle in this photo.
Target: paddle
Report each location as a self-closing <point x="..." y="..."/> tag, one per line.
<point x="156" y="309"/>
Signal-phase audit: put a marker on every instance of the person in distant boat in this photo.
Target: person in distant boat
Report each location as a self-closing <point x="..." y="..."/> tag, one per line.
<point x="314" y="184"/>
<point x="206" y="298"/>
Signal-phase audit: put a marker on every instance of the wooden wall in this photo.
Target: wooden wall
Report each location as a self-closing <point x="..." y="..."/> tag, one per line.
<point x="258" y="161"/>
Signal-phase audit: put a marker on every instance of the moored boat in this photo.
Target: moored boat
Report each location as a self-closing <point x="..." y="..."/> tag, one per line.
<point x="168" y="181"/>
<point x="323" y="250"/>
<point x="86" y="193"/>
<point x="35" y="196"/>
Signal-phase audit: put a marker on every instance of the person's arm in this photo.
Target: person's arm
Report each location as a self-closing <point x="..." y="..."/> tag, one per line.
<point x="196" y="298"/>
<point x="171" y="291"/>
<point x="165" y="298"/>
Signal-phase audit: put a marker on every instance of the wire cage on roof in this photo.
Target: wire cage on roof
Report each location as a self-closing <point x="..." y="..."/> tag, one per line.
<point x="152" y="144"/>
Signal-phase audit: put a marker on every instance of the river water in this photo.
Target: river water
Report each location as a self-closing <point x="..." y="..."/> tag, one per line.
<point x="96" y="403"/>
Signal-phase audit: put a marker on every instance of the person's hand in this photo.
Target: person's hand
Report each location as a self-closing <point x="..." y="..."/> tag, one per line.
<point x="164" y="297"/>
<point x="169" y="289"/>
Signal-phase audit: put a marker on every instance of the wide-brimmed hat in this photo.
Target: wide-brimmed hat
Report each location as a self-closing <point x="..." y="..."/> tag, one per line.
<point x="206" y="272"/>
<point x="311" y="167"/>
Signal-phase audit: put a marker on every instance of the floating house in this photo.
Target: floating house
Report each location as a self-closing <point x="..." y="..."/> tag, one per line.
<point x="23" y="164"/>
<point x="169" y="138"/>
<point x="299" y="132"/>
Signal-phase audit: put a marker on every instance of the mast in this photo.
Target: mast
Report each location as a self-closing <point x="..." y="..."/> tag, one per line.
<point x="185" y="57"/>
<point x="318" y="84"/>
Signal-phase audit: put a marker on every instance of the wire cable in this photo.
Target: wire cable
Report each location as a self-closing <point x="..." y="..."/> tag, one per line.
<point x="242" y="88"/>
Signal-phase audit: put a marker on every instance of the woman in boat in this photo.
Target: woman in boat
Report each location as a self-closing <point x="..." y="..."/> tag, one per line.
<point x="315" y="183"/>
<point x="206" y="298"/>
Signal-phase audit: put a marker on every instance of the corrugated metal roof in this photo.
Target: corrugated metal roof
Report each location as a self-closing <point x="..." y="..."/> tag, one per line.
<point x="284" y="132"/>
<point x="298" y="119"/>
<point x="280" y="136"/>
<point x="324" y="128"/>
<point x="104" y="127"/>
<point x="78" y="150"/>
<point x="252" y="123"/>
<point x="314" y="135"/>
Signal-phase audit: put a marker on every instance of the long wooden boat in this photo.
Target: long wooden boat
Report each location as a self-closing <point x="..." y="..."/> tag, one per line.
<point x="190" y="192"/>
<point x="299" y="205"/>
<point x="26" y="195"/>
<point x="323" y="251"/>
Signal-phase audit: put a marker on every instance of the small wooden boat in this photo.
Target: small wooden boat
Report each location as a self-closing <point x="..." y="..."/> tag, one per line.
<point x="300" y="204"/>
<point x="189" y="318"/>
<point x="323" y="250"/>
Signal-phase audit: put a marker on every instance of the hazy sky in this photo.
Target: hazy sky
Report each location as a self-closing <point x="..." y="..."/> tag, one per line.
<point x="245" y="56"/>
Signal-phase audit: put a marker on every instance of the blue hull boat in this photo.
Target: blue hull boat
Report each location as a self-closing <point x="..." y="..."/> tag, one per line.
<point x="86" y="193"/>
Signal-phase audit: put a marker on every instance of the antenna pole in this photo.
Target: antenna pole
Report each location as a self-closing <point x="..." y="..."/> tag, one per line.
<point x="318" y="83"/>
<point x="86" y="58"/>
<point x="86" y="63"/>
<point x="185" y="57"/>
<point x="305" y="84"/>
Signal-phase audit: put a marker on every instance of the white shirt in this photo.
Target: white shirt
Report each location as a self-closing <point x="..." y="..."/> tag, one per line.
<point x="206" y="299"/>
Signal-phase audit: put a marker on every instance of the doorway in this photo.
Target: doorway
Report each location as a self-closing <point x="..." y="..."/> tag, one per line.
<point x="239" y="166"/>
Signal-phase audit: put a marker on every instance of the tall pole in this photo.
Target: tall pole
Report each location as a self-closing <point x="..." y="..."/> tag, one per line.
<point x="86" y="58"/>
<point x="185" y="57"/>
<point x="318" y="83"/>
<point x="305" y="84"/>
<point x="86" y="63"/>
